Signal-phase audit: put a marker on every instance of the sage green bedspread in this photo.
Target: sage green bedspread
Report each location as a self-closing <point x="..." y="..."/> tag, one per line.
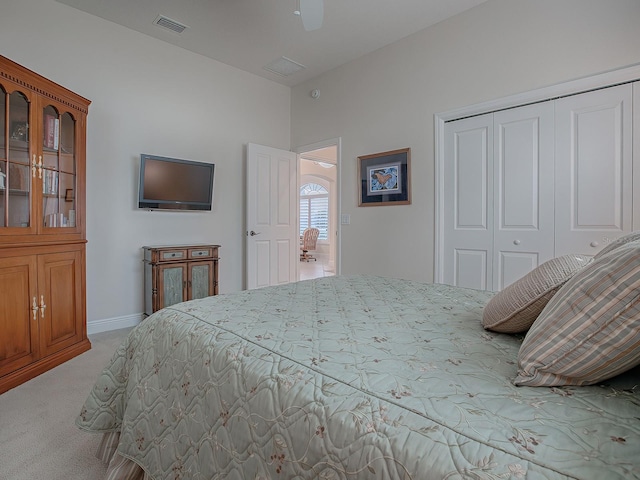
<point x="351" y="377"/>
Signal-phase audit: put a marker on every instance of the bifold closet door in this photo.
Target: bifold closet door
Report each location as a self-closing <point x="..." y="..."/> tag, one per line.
<point x="593" y="169"/>
<point x="498" y="196"/>
<point x="468" y="203"/>
<point x="523" y="191"/>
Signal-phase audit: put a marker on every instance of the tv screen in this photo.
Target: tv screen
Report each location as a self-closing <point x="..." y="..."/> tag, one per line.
<point x="175" y="184"/>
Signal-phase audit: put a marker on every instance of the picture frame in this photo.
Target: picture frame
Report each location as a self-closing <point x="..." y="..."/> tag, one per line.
<point x="385" y="178"/>
<point x="68" y="195"/>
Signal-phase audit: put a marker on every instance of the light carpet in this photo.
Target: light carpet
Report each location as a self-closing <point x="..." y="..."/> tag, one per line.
<point x="38" y="436"/>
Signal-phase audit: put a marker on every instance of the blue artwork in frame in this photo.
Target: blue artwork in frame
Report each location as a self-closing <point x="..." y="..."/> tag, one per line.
<point x="384" y="178"/>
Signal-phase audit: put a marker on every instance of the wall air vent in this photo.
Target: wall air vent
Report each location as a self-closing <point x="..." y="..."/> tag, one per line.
<point x="169" y="24"/>
<point x="284" y="67"/>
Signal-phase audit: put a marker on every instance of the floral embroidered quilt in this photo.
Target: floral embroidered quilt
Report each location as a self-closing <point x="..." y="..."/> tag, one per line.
<point x="351" y="377"/>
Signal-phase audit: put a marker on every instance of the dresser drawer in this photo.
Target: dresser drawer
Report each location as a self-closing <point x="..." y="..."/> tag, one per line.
<point x="202" y="252"/>
<point x="172" y="255"/>
<point x="180" y="253"/>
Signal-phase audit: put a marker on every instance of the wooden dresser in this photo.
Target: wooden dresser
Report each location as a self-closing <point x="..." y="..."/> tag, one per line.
<point x="42" y="224"/>
<point x="177" y="273"/>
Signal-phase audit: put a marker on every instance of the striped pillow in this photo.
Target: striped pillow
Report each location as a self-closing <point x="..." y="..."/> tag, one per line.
<point x="515" y="308"/>
<point x="590" y="330"/>
<point x="630" y="237"/>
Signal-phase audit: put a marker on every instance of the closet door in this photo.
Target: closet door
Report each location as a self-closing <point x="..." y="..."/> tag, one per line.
<point x="593" y="169"/>
<point x="523" y="191"/>
<point x="468" y="203"/>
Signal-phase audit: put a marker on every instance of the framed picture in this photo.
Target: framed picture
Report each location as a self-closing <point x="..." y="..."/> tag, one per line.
<point x="68" y="195"/>
<point x="385" y="178"/>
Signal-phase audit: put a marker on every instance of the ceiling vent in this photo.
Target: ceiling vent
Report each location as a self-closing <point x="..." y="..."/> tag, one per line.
<point x="284" y="67"/>
<point x="169" y="24"/>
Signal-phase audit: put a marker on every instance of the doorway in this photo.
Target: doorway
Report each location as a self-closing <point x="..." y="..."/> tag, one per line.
<point x="318" y="206"/>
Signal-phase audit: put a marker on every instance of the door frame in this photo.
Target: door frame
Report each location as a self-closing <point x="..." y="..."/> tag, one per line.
<point x="572" y="87"/>
<point x="337" y="142"/>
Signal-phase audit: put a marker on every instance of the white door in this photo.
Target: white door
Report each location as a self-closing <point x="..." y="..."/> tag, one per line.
<point x="498" y="198"/>
<point x="468" y="203"/>
<point x="593" y="169"/>
<point x="272" y="196"/>
<point x="523" y="191"/>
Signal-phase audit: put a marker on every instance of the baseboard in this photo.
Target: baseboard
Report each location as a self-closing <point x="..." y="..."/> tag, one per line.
<point x="116" y="323"/>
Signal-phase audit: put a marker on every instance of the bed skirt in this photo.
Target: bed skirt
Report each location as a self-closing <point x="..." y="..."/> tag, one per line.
<point x="120" y="468"/>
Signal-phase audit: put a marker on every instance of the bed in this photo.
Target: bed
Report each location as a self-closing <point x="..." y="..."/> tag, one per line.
<point x="349" y="377"/>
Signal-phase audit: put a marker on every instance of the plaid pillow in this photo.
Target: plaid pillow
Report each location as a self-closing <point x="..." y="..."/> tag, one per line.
<point x="630" y="237"/>
<point x="590" y="330"/>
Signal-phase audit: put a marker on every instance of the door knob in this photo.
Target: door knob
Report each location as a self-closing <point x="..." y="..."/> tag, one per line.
<point x="253" y="234"/>
<point x="594" y="244"/>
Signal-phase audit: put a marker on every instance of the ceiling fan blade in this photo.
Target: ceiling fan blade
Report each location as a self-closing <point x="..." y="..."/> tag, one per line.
<point x="312" y="13"/>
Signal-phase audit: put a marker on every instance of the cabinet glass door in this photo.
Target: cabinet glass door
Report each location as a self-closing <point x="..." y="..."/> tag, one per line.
<point x="172" y="284"/>
<point x="201" y="279"/>
<point x="15" y="179"/>
<point x="58" y="169"/>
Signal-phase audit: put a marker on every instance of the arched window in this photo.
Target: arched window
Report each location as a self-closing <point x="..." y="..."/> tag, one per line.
<point x="314" y="209"/>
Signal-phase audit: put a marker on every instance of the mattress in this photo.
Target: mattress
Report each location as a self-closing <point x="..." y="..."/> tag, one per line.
<point x="350" y="377"/>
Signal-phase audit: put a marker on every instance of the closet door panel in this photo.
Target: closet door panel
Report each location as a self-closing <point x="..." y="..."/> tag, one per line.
<point x="514" y="265"/>
<point x="470" y="268"/>
<point x="468" y="203"/>
<point x="593" y="169"/>
<point x="523" y="191"/>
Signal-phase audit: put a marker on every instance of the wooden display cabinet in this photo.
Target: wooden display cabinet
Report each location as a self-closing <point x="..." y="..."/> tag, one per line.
<point x="177" y="273"/>
<point x="42" y="224"/>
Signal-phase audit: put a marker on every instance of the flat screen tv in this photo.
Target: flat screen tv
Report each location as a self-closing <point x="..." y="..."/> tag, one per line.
<point x="175" y="184"/>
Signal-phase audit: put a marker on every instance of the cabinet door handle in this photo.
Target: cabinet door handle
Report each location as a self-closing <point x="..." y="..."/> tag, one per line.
<point x="37" y="166"/>
<point x="34" y="308"/>
<point x="42" y="306"/>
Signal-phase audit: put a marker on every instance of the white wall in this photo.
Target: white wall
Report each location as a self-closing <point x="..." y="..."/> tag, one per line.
<point x="387" y="100"/>
<point x="147" y="97"/>
<point x="151" y="97"/>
